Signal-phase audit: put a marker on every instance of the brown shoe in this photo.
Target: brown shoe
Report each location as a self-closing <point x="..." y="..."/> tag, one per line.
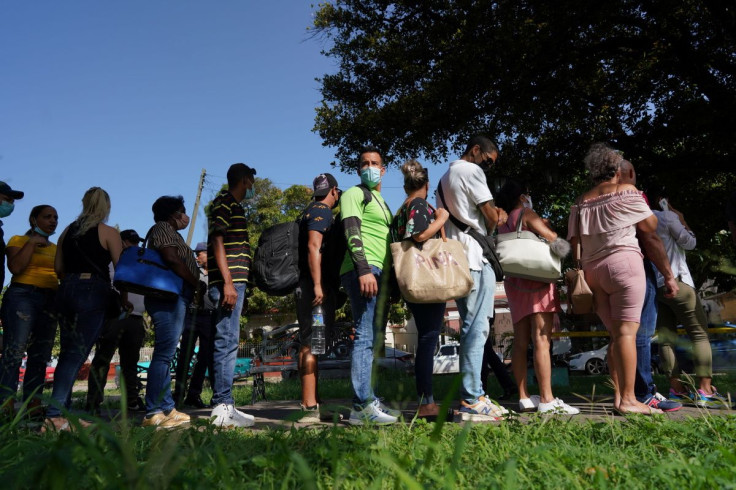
<point x="166" y="421"/>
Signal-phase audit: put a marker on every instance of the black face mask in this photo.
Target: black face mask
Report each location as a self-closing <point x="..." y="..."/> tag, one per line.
<point x="486" y="164"/>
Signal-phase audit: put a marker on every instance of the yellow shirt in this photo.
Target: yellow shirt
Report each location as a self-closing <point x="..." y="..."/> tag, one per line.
<point x="40" y="270"/>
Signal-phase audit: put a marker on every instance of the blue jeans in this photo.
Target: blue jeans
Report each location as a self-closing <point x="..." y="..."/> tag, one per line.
<point x="227" y="341"/>
<point x="168" y="323"/>
<point x="428" y="318"/>
<point x="475" y="309"/>
<point x="369" y="316"/>
<point x="81" y="302"/>
<point x="644" y="383"/>
<point x="28" y="316"/>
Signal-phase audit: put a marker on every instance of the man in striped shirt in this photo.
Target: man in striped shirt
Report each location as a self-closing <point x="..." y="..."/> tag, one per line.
<point x="228" y="265"/>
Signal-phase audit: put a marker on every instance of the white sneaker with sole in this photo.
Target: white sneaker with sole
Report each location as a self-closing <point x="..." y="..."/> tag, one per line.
<point x="558" y="406"/>
<point x="530" y="404"/>
<point x="391" y="411"/>
<point x="371" y="414"/>
<point x="224" y="415"/>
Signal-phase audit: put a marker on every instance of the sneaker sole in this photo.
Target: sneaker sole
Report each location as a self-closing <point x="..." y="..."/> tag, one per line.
<point x="353" y="421"/>
<point x="477" y="417"/>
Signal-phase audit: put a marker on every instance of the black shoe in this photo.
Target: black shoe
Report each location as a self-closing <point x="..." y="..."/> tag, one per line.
<point x="137" y="405"/>
<point x="195" y="401"/>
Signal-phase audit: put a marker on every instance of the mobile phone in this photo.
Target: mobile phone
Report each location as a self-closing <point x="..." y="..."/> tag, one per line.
<point x="663" y="204"/>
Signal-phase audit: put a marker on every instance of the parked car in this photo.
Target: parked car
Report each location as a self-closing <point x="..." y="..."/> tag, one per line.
<point x="396" y="359"/>
<point x="48" y="377"/>
<point x="447" y="359"/>
<point x="592" y="361"/>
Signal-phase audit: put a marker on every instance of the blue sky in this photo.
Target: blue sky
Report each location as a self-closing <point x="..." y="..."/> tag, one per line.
<point x="138" y="97"/>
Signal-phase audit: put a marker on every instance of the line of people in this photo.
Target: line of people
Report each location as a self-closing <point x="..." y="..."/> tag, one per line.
<point x="612" y="222"/>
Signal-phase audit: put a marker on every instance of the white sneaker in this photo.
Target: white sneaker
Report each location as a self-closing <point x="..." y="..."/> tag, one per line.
<point x="558" y="406"/>
<point x="224" y="415"/>
<point x="392" y="412"/>
<point x="529" y="404"/>
<point x="371" y="414"/>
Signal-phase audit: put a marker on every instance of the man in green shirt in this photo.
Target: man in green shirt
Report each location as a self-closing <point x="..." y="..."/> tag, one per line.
<point x="364" y="275"/>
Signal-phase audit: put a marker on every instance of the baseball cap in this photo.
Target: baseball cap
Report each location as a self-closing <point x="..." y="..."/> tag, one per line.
<point x="201" y="247"/>
<point x="323" y="183"/>
<point x="130" y="236"/>
<point x="8" y="191"/>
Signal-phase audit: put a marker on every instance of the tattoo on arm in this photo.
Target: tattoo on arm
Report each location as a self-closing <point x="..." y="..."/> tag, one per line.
<point x="355" y="245"/>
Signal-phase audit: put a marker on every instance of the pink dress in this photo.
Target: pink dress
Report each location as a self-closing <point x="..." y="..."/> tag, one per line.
<point x="524" y="295"/>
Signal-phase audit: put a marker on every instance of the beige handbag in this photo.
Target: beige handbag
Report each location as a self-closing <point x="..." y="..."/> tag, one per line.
<point x="579" y="294"/>
<point x="433" y="271"/>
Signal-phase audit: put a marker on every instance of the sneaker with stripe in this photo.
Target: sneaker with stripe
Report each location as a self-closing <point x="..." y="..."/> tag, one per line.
<point x="370" y="414"/>
<point x="483" y="410"/>
<point x="657" y="400"/>
<point x="711" y="400"/>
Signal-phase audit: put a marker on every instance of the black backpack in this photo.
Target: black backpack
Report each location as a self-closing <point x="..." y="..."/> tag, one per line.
<point x="276" y="261"/>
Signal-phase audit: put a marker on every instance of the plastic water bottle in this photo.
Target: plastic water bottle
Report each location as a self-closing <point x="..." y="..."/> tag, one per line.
<point x="318" y="330"/>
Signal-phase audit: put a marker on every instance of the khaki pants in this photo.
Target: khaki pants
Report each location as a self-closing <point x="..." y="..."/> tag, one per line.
<point x="684" y="309"/>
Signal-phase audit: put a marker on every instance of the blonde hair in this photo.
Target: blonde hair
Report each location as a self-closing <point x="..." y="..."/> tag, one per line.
<point x="95" y="209"/>
<point x="415" y="176"/>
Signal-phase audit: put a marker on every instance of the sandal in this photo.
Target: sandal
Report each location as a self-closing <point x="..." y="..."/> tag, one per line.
<point x="60" y="424"/>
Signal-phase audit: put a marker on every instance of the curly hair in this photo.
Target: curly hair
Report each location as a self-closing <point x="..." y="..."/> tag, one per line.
<point x="602" y="162"/>
<point x="415" y="176"/>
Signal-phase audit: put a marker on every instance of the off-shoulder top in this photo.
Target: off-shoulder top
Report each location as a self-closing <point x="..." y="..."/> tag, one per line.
<point x="608" y="224"/>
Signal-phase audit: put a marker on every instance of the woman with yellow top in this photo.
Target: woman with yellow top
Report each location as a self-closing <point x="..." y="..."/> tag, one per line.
<point x="28" y="307"/>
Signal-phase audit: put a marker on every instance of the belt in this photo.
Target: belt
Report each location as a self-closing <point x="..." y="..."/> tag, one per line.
<point x="31" y="287"/>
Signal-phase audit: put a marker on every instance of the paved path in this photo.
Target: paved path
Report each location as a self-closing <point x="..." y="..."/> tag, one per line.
<point x="284" y="414"/>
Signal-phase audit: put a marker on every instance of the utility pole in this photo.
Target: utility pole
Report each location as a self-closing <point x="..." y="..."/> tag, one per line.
<point x="196" y="208"/>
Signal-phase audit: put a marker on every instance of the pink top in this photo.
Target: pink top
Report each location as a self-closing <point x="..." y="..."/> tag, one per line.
<point x="608" y="224"/>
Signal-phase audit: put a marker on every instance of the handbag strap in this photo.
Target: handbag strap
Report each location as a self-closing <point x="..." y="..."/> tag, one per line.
<point x="464" y="227"/>
<point x="518" y="223"/>
<point x="579" y="247"/>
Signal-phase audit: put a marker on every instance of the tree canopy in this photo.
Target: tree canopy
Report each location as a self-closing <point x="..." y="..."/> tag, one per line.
<point x="544" y="79"/>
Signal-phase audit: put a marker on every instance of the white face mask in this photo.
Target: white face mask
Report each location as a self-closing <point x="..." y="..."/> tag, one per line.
<point x="528" y="202"/>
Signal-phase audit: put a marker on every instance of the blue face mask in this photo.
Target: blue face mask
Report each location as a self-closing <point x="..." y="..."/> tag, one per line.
<point x="371" y="177"/>
<point x="39" y="231"/>
<point x="250" y="193"/>
<point x="6" y="208"/>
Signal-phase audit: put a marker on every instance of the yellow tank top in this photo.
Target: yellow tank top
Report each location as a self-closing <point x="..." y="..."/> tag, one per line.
<point x="40" y="271"/>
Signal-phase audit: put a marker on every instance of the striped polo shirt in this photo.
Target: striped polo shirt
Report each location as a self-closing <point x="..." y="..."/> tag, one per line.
<point x="226" y="218"/>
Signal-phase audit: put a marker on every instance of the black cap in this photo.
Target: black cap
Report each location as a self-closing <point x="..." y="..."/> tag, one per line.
<point x="12" y="194"/>
<point x="130" y="236"/>
<point x="323" y="183"/>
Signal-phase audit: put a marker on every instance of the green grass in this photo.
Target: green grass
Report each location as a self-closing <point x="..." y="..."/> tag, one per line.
<point x="641" y="452"/>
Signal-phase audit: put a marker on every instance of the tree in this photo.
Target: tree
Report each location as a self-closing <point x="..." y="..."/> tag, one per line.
<point x="545" y="79"/>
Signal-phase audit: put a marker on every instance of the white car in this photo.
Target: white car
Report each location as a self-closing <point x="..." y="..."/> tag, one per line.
<point x="592" y="361"/>
<point x="447" y="359"/>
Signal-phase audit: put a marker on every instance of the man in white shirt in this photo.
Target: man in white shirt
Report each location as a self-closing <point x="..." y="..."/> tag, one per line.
<point x="683" y="309"/>
<point x="465" y="194"/>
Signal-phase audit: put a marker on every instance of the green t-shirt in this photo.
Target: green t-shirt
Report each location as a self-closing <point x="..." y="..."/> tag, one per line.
<point x="375" y="220"/>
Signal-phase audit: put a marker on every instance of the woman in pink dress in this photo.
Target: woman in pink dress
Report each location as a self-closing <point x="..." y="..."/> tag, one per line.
<point x="533" y="305"/>
<point x="605" y="220"/>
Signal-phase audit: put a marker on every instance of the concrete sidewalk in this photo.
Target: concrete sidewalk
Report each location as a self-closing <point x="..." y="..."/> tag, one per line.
<point x="284" y="414"/>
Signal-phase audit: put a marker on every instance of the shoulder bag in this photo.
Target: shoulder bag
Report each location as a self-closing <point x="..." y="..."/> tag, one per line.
<point x="486" y="242"/>
<point x="523" y="254"/>
<point x="579" y="294"/>
<point x="141" y="270"/>
<point x="433" y="271"/>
